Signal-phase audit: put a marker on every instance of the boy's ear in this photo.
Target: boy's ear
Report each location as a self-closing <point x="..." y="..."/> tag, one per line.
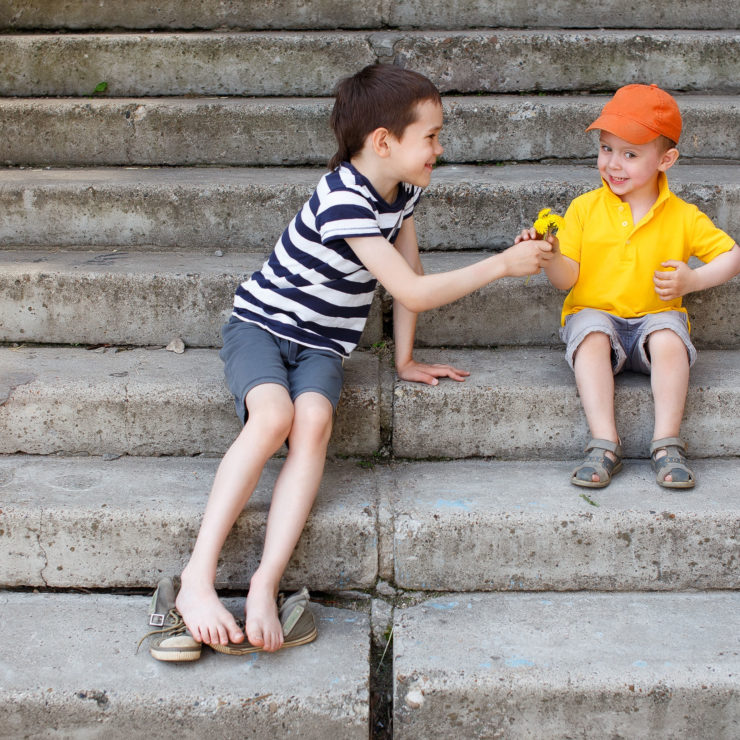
<point x="669" y="158"/>
<point x="380" y="140"/>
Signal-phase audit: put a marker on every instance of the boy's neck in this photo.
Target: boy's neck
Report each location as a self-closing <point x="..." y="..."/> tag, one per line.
<point x="642" y="201"/>
<point x="371" y="168"/>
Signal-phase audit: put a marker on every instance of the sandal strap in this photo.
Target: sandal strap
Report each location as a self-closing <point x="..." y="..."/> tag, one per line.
<point x="605" y="444"/>
<point x="661" y="444"/>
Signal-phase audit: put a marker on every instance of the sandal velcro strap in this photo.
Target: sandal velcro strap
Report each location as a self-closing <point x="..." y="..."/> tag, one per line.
<point x="605" y="444"/>
<point x="661" y="444"/>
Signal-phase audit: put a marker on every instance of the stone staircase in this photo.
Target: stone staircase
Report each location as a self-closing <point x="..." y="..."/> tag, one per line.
<point x="518" y="607"/>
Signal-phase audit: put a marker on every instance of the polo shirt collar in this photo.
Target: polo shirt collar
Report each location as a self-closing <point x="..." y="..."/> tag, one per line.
<point x="664" y="192"/>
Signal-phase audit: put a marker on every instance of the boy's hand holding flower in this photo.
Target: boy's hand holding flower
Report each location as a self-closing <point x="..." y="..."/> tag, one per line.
<point x="543" y="229"/>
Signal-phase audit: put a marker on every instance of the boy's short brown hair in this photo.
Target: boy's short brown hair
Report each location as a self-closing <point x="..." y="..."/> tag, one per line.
<point x="378" y="96"/>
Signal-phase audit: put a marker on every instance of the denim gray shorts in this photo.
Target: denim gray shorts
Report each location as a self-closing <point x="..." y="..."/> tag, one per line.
<point x="628" y="337"/>
<point x="253" y="356"/>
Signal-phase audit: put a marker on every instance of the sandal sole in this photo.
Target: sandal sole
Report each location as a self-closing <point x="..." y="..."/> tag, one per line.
<point x="175" y="656"/>
<point x="248" y="649"/>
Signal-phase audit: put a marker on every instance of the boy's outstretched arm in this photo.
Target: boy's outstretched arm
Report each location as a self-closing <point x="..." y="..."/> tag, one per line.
<point x="404" y="323"/>
<point x="561" y="271"/>
<point x="682" y="279"/>
<point x="421" y="292"/>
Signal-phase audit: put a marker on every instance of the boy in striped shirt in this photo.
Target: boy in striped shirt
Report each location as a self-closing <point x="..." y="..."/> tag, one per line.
<point x="297" y="318"/>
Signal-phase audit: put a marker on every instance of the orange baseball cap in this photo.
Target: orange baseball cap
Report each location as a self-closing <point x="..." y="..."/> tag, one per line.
<point x="640" y="113"/>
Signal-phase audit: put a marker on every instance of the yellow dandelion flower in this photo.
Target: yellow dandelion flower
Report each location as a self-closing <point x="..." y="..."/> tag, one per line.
<point x="547" y="223"/>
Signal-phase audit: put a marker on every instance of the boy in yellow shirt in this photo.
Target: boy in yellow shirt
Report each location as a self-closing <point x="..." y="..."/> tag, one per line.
<point x="623" y="252"/>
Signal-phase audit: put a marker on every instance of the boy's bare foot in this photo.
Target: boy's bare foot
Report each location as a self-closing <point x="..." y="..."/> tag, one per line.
<point x="263" y="626"/>
<point x="205" y="616"/>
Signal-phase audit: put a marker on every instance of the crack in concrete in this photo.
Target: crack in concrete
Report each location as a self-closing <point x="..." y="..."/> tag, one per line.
<point x="40" y="545"/>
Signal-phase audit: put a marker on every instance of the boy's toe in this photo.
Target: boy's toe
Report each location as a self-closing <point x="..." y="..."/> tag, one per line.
<point x="235" y="634"/>
<point x="254" y="635"/>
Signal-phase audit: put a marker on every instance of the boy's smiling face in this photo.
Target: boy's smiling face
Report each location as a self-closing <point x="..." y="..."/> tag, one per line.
<point x="413" y="155"/>
<point x="631" y="170"/>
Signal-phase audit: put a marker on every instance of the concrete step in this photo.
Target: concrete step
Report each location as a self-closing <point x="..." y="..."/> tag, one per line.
<point x="521" y="526"/>
<point x="126" y="298"/>
<point x="73" y="672"/>
<point x="295" y="131"/>
<point x="522" y="404"/>
<point x="149" y="298"/>
<point x="268" y="14"/>
<point x="151" y="402"/>
<point x="311" y="62"/>
<point x="568" y="665"/>
<point x="473" y="525"/>
<point x="246" y="209"/>
<point x="517" y="404"/>
<point x="85" y="522"/>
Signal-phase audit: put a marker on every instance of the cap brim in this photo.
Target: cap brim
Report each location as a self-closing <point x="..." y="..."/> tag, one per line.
<point x="624" y="128"/>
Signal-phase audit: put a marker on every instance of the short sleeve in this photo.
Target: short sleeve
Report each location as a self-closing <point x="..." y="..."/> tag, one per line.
<point x="344" y="214"/>
<point x="570" y="234"/>
<point x="413" y="199"/>
<point x="706" y="241"/>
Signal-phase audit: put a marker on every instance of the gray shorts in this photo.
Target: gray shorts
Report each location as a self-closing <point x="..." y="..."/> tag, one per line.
<point x="628" y="337"/>
<point x="253" y="356"/>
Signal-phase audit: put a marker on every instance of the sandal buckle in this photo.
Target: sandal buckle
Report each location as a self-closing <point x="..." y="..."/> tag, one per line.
<point x="156" y="620"/>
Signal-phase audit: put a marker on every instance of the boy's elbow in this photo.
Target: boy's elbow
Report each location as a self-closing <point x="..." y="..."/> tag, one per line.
<point x="413" y="303"/>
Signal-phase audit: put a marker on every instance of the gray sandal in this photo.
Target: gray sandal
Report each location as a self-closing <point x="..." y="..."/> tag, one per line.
<point x="296" y="620"/>
<point x="597" y="461"/>
<point x="673" y="463"/>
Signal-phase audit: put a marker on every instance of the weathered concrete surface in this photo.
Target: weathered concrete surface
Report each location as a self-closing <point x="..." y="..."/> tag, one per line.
<point x="307" y="63"/>
<point x="245" y="209"/>
<point x="484" y="526"/>
<point x="149" y="402"/>
<point x="564" y="14"/>
<point x="295" y="131"/>
<point x="310" y="63"/>
<point x="85" y="522"/>
<point x="511" y="61"/>
<point x="522" y="404"/>
<point x="73" y="672"/>
<point x="195" y="14"/>
<point x="568" y="665"/>
<point x="149" y="298"/>
<point x="269" y="14"/>
<point x="125" y="298"/>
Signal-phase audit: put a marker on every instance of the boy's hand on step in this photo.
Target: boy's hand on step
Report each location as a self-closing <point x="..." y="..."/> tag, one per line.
<point x="421" y="372"/>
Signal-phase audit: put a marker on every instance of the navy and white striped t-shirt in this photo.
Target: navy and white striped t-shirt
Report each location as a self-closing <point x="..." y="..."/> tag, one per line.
<point x="313" y="289"/>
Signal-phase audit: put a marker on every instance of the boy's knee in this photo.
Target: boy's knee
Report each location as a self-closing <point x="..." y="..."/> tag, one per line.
<point x="275" y="422"/>
<point x="666" y="341"/>
<point x="594" y="342"/>
<point x="313" y="420"/>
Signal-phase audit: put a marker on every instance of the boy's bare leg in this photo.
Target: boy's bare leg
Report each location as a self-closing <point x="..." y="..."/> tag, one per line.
<point x="669" y="378"/>
<point x="269" y="422"/>
<point x="595" y="380"/>
<point x="292" y="499"/>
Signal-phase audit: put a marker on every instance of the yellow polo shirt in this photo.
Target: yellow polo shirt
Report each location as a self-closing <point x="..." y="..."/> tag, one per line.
<point x="618" y="258"/>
